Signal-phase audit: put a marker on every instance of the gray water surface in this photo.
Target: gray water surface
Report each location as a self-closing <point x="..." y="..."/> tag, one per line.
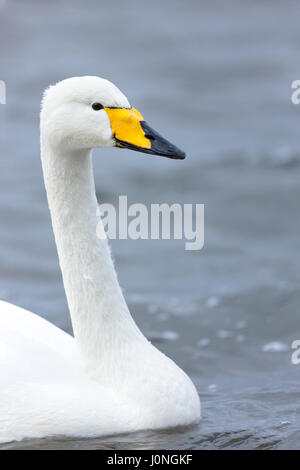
<point x="215" y="78"/>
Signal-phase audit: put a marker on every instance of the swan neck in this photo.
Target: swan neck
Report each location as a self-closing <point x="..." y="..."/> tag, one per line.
<point x="96" y="303"/>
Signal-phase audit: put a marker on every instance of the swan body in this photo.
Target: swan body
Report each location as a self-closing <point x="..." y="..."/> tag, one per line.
<point x="108" y="378"/>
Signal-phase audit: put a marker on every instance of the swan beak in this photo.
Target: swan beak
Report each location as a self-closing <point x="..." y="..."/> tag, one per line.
<point x="130" y="131"/>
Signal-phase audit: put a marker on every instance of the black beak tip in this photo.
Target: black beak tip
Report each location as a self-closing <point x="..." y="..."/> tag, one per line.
<point x="174" y="152"/>
<point x="180" y="155"/>
<point x="171" y="152"/>
<point x="161" y="146"/>
<point x="166" y="149"/>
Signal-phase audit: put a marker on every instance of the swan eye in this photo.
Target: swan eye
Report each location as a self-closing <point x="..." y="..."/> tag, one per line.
<point x="97" y="106"/>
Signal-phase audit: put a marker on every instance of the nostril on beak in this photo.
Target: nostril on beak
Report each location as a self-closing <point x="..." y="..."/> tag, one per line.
<point x="150" y="137"/>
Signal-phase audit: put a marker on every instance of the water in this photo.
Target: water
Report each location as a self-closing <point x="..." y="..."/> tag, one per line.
<point x="215" y="78"/>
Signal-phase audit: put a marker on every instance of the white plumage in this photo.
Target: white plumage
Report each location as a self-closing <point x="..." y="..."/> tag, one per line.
<point x="109" y="379"/>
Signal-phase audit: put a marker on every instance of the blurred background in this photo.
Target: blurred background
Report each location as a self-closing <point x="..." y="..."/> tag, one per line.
<point x="215" y="78"/>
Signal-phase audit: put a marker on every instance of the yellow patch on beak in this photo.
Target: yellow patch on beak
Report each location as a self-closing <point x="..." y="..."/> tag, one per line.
<point x="126" y="127"/>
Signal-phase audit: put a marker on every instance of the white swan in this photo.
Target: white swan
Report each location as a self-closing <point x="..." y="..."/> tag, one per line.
<point x="109" y="379"/>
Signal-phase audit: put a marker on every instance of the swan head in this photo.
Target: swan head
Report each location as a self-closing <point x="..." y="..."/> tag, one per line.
<point x="89" y="112"/>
